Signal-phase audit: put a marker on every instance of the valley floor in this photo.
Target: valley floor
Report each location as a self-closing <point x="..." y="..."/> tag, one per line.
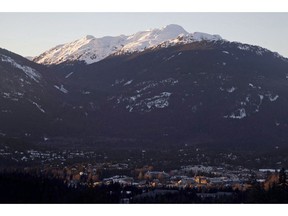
<point x="182" y="175"/>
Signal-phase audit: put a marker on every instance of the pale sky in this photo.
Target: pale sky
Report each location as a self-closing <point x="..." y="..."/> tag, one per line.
<point x="30" y="34"/>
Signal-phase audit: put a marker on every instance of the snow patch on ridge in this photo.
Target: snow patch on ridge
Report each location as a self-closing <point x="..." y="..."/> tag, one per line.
<point x="128" y="82"/>
<point x="61" y="88"/>
<point x="271" y="97"/>
<point x="68" y="75"/>
<point x="189" y="38"/>
<point x="38" y="106"/>
<point x="232" y="89"/>
<point x="30" y="72"/>
<point x="238" y="114"/>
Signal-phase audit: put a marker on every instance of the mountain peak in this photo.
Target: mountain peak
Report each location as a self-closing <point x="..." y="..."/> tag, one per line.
<point x="198" y="36"/>
<point x="90" y="49"/>
<point x="174" y="28"/>
<point x="89" y="37"/>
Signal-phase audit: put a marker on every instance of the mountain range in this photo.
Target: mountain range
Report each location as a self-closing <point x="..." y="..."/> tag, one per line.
<point x="90" y="49"/>
<point x="156" y="87"/>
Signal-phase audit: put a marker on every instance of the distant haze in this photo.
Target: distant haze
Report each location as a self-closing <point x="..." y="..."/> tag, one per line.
<point x="30" y="34"/>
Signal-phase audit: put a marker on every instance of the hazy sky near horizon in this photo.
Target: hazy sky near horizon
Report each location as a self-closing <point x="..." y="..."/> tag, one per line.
<point x="30" y="34"/>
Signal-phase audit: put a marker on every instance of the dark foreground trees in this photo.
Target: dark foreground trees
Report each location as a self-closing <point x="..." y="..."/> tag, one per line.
<point x="19" y="187"/>
<point x="26" y="188"/>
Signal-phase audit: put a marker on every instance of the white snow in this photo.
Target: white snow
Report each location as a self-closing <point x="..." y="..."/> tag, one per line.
<point x="170" y="81"/>
<point x="19" y="94"/>
<point x="260" y="52"/>
<point x="30" y="72"/>
<point x="243" y="47"/>
<point x="261" y="98"/>
<point x="6" y="95"/>
<point x="169" y="58"/>
<point x="238" y="114"/>
<point x="251" y="85"/>
<point x="166" y="94"/>
<point x="117" y="82"/>
<point x="273" y="98"/>
<point x="146" y="104"/>
<point x="88" y="49"/>
<point x="150" y="85"/>
<point x="91" y="49"/>
<point x="128" y="82"/>
<point x="232" y="89"/>
<point x="189" y="38"/>
<point x="158" y="103"/>
<point x="14" y="96"/>
<point x="38" y="106"/>
<point x="133" y="98"/>
<point x="150" y="38"/>
<point x="61" y="88"/>
<point x="247" y="99"/>
<point x="140" y="101"/>
<point x="68" y="75"/>
<point x="258" y="105"/>
<point x="199" y="36"/>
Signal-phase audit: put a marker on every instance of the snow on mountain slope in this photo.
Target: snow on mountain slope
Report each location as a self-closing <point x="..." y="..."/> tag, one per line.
<point x="88" y="49"/>
<point x="189" y="38"/>
<point x="30" y="72"/>
<point x="149" y="38"/>
<point x="91" y="49"/>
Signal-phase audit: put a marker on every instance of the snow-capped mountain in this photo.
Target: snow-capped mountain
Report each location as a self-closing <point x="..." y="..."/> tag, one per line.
<point x="162" y="86"/>
<point x="211" y="90"/>
<point x="90" y="49"/>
